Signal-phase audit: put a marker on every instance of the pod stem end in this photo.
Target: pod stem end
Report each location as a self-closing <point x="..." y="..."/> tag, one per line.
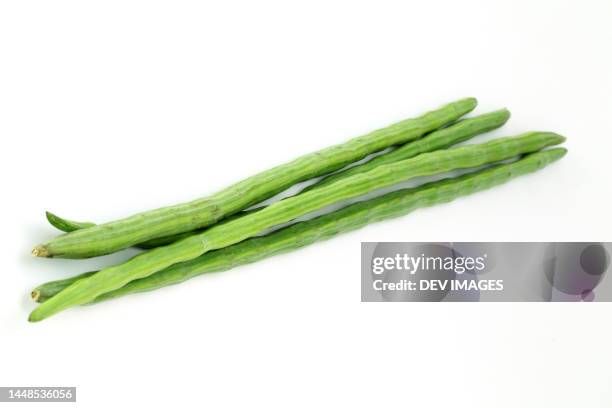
<point x="40" y="251"/>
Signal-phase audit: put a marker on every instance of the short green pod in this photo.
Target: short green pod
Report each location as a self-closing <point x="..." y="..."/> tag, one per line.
<point x="116" y="235"/>
<point x="225" y="234"/>
<point x="321" y="228"/>
<point x="65" y="225"/>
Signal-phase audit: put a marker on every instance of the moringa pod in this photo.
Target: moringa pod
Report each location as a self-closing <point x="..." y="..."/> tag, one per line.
<point x="225" y="234"/>
<point x="326" y="226"/>
<point x="113" y="236"/>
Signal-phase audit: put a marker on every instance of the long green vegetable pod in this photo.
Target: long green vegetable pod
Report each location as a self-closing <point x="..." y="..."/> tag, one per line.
<point x="113" y="236"/>
<point x="323" y="227"/>
<point x="219" y="236"/>
<point x="439" y="139"/>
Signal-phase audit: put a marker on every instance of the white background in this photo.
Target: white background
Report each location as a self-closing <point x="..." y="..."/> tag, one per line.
<point x="110" y="108"/>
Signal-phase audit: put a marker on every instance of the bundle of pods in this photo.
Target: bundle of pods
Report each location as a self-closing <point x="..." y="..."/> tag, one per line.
<point x="219" y="232"/>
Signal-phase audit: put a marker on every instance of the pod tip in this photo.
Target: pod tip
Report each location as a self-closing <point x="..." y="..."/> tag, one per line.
<point x="503" y="114"/>
<point x="40" y="251"/>
<point x="33" y="317"/>
<point x="556" y="153"/>
<point x="35" y="294"/>
<point x="560" y="138"/>
<point x="471" y="101"/>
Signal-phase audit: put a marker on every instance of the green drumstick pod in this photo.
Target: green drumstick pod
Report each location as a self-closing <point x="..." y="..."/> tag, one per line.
<point x="439" y="139"/>
<point x="145" y="264"/>
<point x="321" y="228"/>
<point x="112" y="236"/>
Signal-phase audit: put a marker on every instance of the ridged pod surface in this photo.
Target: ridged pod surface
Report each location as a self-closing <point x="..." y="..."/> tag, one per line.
<point x="439" y="139"/>
<point x="219" y="236"/>
<point x="113" y="236"/>
<point x="321" y="228"/>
